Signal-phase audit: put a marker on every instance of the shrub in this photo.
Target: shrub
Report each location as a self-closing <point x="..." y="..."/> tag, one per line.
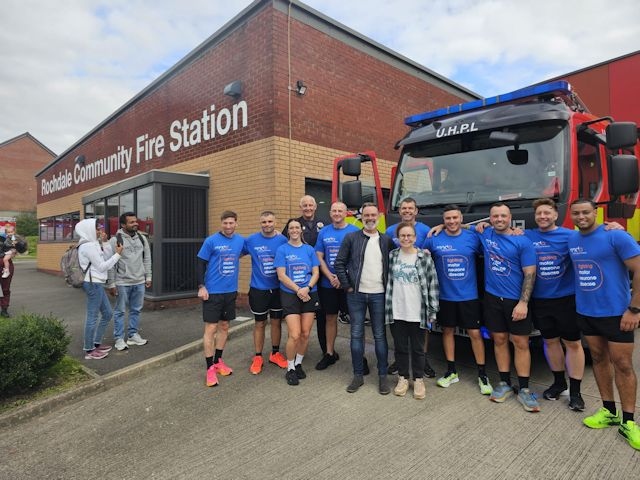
<point x="32" y="241"/>
<point x="29" y="345"/>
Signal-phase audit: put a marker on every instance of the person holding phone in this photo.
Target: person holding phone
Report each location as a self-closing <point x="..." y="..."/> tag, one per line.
<point x="128" y="280"/>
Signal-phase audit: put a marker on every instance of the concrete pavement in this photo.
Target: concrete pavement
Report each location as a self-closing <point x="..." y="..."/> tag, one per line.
<point x="163" y="422"/>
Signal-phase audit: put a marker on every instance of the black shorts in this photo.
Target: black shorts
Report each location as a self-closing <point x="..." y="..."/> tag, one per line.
<point x="466" y="314"/>
<point x="220" y="306"/>
<point x="556" y="317"/>
<point x="261" y="302"/>
<point x="607" y="327"/>
<point x="332" y="300"/>
<point x="498" y="319"/>
<point x="292" y="305"/>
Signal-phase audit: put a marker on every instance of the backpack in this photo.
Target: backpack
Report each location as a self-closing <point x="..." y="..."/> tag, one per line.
<point x="70" y="267"/>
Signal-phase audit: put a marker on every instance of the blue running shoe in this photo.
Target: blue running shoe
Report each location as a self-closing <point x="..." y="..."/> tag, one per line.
<point x="528" y="400"/>
<point x="501" y="392"/>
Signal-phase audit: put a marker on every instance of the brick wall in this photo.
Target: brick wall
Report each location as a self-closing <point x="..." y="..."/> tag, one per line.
<point x="20" y="159"/>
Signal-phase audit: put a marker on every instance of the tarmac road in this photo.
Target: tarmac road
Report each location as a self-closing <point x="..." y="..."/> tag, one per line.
<point x="165" y="423"/>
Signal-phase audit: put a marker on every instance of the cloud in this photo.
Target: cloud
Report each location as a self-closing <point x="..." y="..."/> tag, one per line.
<point x="67" y="66"/>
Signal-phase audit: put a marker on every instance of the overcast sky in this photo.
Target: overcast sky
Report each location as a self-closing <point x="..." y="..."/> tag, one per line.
<point x="66" y="66"/>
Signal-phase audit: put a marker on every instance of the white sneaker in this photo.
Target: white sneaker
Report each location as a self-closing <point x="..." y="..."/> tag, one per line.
<point x="136" y="339"/>
<point x="121" y="344"/>
<point x="5" y="273"/>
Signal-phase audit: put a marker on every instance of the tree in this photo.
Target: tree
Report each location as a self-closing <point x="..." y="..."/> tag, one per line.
<point x="27" y="224"/>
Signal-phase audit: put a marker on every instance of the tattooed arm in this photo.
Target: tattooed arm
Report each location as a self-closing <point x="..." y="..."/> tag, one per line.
<point x="521" y="309"/>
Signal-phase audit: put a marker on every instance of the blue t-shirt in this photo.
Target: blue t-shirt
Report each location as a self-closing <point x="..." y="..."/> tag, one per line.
<point x="602" y="278"/>
<point x="223" y="254"/>
<point x="455" y="261"/>
<point x="329" y="241"/>
<point x="298" y="262"/>
<point x="504" y="258"/>
<point x="263" y="253"/>
<point x="554" y="272"/>
<point x="421" y="233"/>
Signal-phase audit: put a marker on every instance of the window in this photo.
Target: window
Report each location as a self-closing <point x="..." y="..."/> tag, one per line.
<point x="59" y="228"/>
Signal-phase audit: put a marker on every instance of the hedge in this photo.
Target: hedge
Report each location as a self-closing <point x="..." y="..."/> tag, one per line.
<point x="29" y="345"/>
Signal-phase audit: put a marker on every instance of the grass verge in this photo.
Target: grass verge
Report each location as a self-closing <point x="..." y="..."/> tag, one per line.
<point x="64" y="375"/>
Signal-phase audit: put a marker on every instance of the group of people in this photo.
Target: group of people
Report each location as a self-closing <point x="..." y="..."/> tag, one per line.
<point x="567" y="283"/>
<point x="120" y="266"/>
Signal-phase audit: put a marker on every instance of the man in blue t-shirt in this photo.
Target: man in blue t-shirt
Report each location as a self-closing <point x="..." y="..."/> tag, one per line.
<point x="607" y="313"/>
<point x="509" y="271"/>
<point x="554" y="305"/>
<point x="332" y="297"/>
<point x="218" y="271"/>
<point x="408" y="213"/>
<point x="454" y="254"/>
<point x="264" y="290"/>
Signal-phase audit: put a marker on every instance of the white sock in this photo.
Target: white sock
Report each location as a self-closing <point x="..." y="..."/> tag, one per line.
<point x="290" y="365"/>
<point x="299" y="359"/>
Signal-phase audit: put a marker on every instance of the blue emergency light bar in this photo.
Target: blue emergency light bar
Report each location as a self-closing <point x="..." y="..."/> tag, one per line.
<point x="560" y="87"/>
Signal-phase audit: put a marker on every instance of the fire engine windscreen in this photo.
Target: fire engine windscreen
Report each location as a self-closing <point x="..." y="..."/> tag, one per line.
<point x="471" y="168"/>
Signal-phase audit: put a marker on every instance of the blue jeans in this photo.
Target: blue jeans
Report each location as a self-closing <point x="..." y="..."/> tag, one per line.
<point x="358" y="303"/>
<point x="97" y="303"/>
<point x="131" y="296"/>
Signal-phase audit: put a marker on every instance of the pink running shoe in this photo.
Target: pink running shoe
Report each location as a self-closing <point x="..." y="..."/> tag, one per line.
<point x="222" y="368"/>
<point x="104" y="348"/>
<point x="95" y="354"/>
<point x="212" y="378"/>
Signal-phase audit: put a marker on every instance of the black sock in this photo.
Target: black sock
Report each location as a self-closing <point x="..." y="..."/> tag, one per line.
<point x="481" y="371"/>
<point x="451" y="367"/>
<point x="558" y="377"/>
<point x="523" y="382"/>
<point x="610" y="405"/>
<point x="209" y="361"/>
<point x="505" y="377"/>
<point x="275" y="348"/>
<point x="96" y="345"/>
<point x="258" y="354"/>
<point x="626" y="416"/>
<point x="574" y="386"/>
<point x="217" y="356"/>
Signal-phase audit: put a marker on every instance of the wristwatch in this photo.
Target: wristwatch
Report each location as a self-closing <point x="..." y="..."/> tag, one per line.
<point x="633" y="309"/>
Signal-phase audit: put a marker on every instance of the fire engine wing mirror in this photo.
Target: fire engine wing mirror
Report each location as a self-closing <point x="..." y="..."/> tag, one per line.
<point x="621" y="134"/>
<point x="623" y="175"/>
<point x="518" y="157"/>
<point x="352" y="194"/>
<point x="352" y="166"/>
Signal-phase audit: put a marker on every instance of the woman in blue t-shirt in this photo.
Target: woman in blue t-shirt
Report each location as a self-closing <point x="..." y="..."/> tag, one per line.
<point x="298" y="270"/>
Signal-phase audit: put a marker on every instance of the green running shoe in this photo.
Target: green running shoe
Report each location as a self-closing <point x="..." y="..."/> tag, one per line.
<point x="631" y="432"/>
<point x="485" y="386"/>
<point x="450" y="379"/>
<point x="603" y="418"/>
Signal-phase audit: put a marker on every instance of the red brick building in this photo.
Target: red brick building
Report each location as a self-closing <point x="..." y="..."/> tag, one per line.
<point x="20" y="158"/>
<point x="251" y="119"/>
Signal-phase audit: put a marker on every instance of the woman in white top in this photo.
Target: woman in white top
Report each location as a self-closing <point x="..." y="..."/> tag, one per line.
<point x="411" y="303"/>
<point x="96" y="258"/>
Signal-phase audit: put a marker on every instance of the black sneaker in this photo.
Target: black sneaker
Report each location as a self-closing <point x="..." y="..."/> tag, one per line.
<point x="554" y="391"/>
<point x="393" y="369"/>
<point x="365" y="366"/>
<point x="300" y="372"/>
<point x="344" y="318"/>
<point x="428" y="371"/>
<point x="576" y="403"/>
<point x="383" y="386"/>
<point x="355" y="384"/>
<point x="292" y="377"/>
<point x="326" y="361"/>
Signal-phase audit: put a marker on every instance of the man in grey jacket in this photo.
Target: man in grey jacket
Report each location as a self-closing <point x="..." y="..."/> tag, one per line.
<point x="128" y="279"/>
